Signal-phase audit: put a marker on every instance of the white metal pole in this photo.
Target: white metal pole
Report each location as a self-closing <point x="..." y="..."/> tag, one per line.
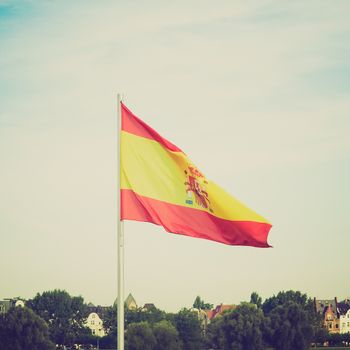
<point x="120" y="243"/>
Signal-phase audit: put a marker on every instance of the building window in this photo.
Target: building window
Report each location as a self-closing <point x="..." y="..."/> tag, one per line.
<point x="93" y="316"/>
<point x="336" y="326"/>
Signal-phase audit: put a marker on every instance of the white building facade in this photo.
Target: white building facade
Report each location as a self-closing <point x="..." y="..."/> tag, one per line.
<point x="95" y="324"/>
<point x="344" y="321"/>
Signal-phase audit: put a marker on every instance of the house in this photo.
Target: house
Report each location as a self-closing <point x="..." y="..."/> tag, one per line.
<point x="329" y="310"/>
<point x="4" y="306"/>
<point x="206" y="316"/>
<point x="344" y="316"/>
<point x="95" y="323"/>
<point x="331" y="319"/>
<point x="7" y="303"/>
<point x="148" y="307"/>
<point x="219" y="310"/>
<point x="94" y="320"/>
<point x="129" y="302"/>
<point x="202" y="317"/>
<point x="96" y="315"/>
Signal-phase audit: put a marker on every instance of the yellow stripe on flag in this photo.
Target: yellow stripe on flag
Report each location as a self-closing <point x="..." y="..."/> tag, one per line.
<point x="153" y="171"/>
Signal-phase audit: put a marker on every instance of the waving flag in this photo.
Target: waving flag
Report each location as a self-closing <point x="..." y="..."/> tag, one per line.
<point x="160" y="184"/>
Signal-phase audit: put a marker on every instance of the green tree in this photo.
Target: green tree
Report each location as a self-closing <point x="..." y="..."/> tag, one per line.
<point x="290" y="327"/>
<point x="110" y="320"/>
<point x="283" y="297"/>
<point x="64" y="314"/>
<point x="255" y="298"/>
<point x="189" y="328"/>
<point x="201" y="305"/>
<point x="85" y="336"/>
<point x="321" y="335"/>
<point x="151" y="316"/>
<point x="22" y="329"/>
<point x="284" y="310"/>
<point x="131" y="317"/>
<point x="139" y="336"/>
<point x="336" y="339"/>
<point x="240" y="329"/>
<point x="167" y="336"/>
<point x="109" y="341"/>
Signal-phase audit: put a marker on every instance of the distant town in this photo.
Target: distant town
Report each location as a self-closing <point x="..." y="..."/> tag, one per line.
<point x="288" y="320"/>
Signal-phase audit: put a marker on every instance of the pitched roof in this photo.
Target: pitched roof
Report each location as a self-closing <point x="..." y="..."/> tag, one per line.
<point x="219" y="310"/>
<point x="149" y="306"/>
<point x="99" y="310"/>
<point x="210" y="314"/>
<point x="343" y="308"/>
<point x="321" y="305"/>
<point x="130" y="300"/>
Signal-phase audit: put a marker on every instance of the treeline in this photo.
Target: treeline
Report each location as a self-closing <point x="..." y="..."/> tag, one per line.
<point x="285" y="321"/>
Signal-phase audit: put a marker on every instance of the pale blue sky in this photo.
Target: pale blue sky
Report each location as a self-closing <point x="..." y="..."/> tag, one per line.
<point x="256" y="92"/>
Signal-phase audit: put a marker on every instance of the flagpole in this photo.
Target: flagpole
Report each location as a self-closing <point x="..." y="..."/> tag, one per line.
<point x="120" y="229"/>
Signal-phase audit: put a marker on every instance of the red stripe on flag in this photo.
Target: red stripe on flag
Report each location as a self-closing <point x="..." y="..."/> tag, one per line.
<point x="134" y="125"/>
<point x="193" y="222"/>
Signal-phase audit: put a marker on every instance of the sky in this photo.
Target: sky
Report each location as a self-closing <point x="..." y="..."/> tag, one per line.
<point x="257" y="93"/>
